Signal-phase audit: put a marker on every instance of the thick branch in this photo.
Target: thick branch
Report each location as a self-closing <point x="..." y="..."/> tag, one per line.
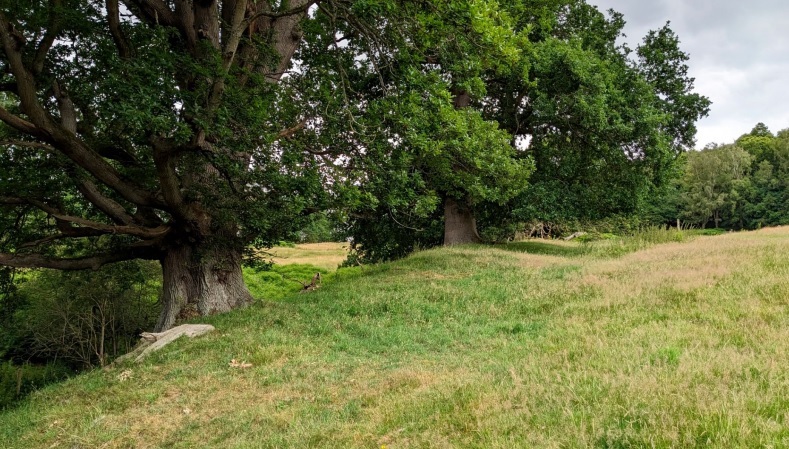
<point x="25" y="81"/>
<point x="236" y="29"/>
<point x="113" y="20"/>
<point x="113" y="210"/>
<point x="54" y="28"/>
<point x="81" y="263"/>
<point x="281" y="29"/>
<point x="186" y="23"/>
<point x="286" y="42"/>
<point x="291" y="12"/>
<point x="132" y="230"/>
<point x="135" y="231"/>
<point x="68" y="114"/>
<point x="12" y="200"/>
<point x="18" y="123"/>
<point x="164" y="159"/>
<point x="154" y="12"/>
<point x="25" y="143"/>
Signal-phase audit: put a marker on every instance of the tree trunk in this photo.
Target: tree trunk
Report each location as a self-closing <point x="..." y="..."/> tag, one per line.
<point x="459" y="224"/>
<point x="200" y="281"/>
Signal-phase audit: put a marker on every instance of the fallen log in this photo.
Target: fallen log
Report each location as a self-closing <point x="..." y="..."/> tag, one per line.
<point x="151" y="342"/>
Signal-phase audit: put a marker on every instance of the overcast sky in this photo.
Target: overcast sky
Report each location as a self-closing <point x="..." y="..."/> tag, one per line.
<point x="739" y="55"/>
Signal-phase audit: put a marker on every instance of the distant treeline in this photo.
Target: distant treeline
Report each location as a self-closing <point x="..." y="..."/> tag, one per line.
<point x="739" y="185"/>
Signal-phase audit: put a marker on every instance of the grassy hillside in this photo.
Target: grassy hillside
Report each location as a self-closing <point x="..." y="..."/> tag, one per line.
<point x="535" y="344"/>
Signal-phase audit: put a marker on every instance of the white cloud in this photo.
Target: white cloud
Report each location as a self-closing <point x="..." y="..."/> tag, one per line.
<point x="739" y="56"/>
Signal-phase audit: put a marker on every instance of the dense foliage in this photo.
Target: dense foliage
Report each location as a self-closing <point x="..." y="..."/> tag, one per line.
<point x="191" y="132"/>
<point x="603" y="123"/>
<point x="740" y="185"/>
<point x="57" y="323"/>
<point x="593" y="127"/>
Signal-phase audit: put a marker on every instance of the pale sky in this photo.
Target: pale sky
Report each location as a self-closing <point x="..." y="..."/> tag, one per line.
<point x="739" y="55"/>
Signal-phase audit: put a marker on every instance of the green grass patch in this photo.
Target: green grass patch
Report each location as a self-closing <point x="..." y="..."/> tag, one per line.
<point x="669" y="346"/>
<point x="710" y="231"/>
<point x="279" y="281"/>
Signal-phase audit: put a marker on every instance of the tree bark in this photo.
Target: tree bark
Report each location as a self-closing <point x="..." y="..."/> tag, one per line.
<point x="460" y="227"/>
<point x="200" y="281"/>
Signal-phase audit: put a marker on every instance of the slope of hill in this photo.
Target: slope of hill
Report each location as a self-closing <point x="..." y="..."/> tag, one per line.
<point x="682" y="344"/>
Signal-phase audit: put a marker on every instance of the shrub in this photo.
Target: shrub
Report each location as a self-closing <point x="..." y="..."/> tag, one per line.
<point x="17" y="381"/>
<point x="595" y="236"/>
<point x="85" y="318"/>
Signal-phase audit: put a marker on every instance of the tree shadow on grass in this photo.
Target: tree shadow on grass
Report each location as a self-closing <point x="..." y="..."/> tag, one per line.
<point x="545" y="247"/>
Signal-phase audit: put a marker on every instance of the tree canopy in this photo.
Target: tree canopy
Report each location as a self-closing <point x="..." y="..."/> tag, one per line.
<point x="190" y="132"/>
<point x="597" y="127"/>
<point x="148" y="129"/>
<point x="739" y="185"/>
<point x="603" y="123"/>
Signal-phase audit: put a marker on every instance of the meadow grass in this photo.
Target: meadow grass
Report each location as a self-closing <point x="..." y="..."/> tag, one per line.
<point x="682" y="344"/>
<point x="294" y="266"/>
<point x="327" y="255"/>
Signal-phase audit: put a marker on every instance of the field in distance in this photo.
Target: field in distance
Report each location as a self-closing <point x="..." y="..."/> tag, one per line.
<point x="328" y="255"/>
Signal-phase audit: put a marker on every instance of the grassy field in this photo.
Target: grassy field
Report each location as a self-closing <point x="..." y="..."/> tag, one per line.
<point x="293" y="267"/>
<point x="323" y="255"/>
<point x="613" y="344"/>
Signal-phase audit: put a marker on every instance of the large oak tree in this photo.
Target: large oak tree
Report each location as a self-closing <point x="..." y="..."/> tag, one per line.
<point x="604" y="123"/>
<point x="390" y="111"/>
<point x="593" y="125"/>
<point x="148" y="129"/>
<point x="167" y="129"/>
